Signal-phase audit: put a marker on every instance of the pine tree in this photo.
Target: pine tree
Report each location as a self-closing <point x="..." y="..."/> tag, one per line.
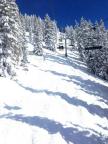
<point x="38" y="37"/>
<point x="70" y="34"/>
<point x="84" y="37"/>
<point x="101" y="55"/>
<point x="50" y="33"/>
<point x="88" y="35"/>
<point x="24" y="42"/>
<point x="10" y="36"/>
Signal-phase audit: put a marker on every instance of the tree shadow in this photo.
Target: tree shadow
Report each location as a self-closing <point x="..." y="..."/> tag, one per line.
<point x="91" y="108"/>
<point x="76" y="63"/>
<point x="90" y="87"/>
<point x="69" y="134"/>
<point x="72" y="61"/>
<point x="12" y="107"/>
<point x="58" y="59"/>
<point x="57" y="73"/>
<point x="104" y="101"/>
<point x="105" y="128"/>
<point x="69" y="61"/>
<point x="34" y="65"/>
<point x="30" y="89"/>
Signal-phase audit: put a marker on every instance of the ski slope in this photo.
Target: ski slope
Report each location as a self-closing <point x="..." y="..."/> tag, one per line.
<point x="55" y="102"/>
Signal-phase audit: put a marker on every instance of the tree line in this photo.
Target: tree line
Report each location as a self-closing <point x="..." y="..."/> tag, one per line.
<point x="91" y="41"/>
<point x="16" y="30"/>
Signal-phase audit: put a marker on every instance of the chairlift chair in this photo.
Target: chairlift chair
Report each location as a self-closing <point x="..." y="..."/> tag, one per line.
<point x="93" y="48"/>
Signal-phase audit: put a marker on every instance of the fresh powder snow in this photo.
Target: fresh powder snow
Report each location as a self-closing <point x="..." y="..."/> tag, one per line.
<point x="55" y="101"/>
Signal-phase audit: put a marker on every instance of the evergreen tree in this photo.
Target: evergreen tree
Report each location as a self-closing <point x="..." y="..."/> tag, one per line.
<point x="50" y="33"/>
<point x="24" y="42"/>
<point x="87" y="36"/>
<point x="84" y="37"/>
<point x="29" y="24"/>
<point x="10" y="34"/>
<point x="100" y="56"/>
<point x="38" y="37"/>
<point x="70" y="34"/>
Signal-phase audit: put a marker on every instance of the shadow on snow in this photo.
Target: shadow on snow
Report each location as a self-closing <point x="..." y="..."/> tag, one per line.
<point x="69" y="61"/>
<point x="93" y="109"/>
<point x="69" y="134"/>
<point x="88" y="86"/>
<point x="12" y="107"/>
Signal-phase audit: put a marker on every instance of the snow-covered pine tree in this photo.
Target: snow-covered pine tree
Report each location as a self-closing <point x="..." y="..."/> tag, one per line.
<point x="50" y="33"/>
<point x="24" y="41"/>
<point x="70" y="34"/>
<point x="100" y="59"/>
<point x="55" y="31"/>
<point x="10" y="34"/>
<point x="79" y="33"/>
<point x="88" y="35"/>
<point x="31" y="28"/>
<point x="28" y="22"/>
<point x="83" y="34"/>
<point x="38" y="37"/>
<point x="24" y="49"/>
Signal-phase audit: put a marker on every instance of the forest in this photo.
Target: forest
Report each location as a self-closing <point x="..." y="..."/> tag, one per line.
<point x="16" y="30"/>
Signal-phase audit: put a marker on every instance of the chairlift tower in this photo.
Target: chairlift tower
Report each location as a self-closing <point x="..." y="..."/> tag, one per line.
<point x="66" y="47"/>
<point x="65" y="43"/>
<point x="63" y="37"/>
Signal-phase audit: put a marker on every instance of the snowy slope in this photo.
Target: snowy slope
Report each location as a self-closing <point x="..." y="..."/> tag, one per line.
<point x="56" y="102"/>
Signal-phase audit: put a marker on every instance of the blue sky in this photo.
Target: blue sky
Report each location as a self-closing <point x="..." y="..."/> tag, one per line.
<point x="65" y="12"/>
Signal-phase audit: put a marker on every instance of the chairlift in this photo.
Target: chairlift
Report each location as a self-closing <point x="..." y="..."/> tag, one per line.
<point x="93" y="48"/>
<point x="60" y="47"/>
<point x="71" y="45"/>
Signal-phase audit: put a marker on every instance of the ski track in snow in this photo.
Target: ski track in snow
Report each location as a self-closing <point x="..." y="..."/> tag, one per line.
<point x="56" y="102"/>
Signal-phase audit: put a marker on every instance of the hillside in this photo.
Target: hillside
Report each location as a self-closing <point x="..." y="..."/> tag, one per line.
<point x="55" y="101"/>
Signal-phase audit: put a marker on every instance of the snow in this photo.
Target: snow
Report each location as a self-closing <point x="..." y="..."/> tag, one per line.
<point x="30" y="47"/>
<point x="55" y="102"/>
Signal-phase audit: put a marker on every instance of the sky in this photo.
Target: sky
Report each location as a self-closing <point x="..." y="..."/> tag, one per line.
<point x="65" y="12"/>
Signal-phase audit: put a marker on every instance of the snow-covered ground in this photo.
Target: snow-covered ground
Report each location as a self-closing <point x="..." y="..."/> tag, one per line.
<point x="55" y="102"/>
